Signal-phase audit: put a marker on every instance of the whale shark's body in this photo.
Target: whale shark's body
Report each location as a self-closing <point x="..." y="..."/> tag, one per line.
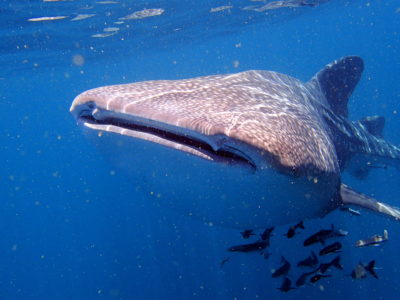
<point x="246" y="150"/>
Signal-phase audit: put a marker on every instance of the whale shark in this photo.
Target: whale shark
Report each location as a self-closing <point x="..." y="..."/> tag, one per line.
<point x="245" y="150"/>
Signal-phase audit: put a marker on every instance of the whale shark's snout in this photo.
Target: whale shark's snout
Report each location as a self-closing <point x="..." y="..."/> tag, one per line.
<point x="92" y="112"/>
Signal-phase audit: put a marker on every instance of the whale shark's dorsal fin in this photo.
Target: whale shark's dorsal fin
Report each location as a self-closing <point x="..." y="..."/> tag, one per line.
<point x="351" y="197"/>
<point x="374" y="125"/>
<point x="338" y="80"/>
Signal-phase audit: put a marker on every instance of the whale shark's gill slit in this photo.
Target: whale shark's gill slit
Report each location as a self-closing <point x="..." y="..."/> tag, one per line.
<point x="228" y="155"/>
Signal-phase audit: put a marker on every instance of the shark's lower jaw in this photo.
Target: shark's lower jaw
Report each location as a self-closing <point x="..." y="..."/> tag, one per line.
<point x="222" y="189"/>
<point x="206" y="147"/>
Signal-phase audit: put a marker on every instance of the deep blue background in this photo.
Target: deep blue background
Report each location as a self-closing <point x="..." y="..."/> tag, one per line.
<point x="72" y="227"/>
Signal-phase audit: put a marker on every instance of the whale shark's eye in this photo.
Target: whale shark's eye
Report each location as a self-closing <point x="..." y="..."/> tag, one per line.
<point x="91" y="105"/>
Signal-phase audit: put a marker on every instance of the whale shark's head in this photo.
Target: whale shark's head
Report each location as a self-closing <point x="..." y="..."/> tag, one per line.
<point x="241" y="150"/>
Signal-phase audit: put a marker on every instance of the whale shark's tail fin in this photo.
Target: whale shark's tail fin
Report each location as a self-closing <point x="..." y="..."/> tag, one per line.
<point x="352" y="197"/>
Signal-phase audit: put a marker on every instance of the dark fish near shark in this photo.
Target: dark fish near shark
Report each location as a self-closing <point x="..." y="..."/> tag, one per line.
<point x="323" y="235"/>
<point x="333" y="263"/>
<point x="332" y="248"/>
<point x="292" y="229"/>
<point x="286" y="285"/>
<point x="303" y="278"/>
<point x="310" y="261"/>
<point x="266" y="235"/>
<point x="246" y="150"/>
<point x="283" y="269"/>
<point x="247" y="233"/>
<point x="251" y="247"/>
<point x="317" y="277"/>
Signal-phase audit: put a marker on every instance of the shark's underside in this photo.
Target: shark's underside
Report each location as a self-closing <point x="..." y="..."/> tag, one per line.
<point x="247" y="150"/>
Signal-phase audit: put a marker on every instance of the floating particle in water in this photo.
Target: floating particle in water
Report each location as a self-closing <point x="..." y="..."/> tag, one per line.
<point x="250" y="7"/>
<point x="106" y="2"/>
<point x="40" y="19"/>
<point x="145" y="13"/>
<point x="82" y="17"/>
<point x="220" y="8"/>
<point x="103" y="35"/>
<point x="110" y="29"/>
<point x="78" y="60"/>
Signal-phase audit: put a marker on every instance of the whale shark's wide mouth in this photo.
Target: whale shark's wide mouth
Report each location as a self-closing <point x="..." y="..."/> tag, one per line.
<point x="217" y="148"/>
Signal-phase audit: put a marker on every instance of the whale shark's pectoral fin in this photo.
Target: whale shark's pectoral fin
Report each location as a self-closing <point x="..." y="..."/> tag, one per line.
<point x="352" y="197"/>
<point x="374" y="125"/>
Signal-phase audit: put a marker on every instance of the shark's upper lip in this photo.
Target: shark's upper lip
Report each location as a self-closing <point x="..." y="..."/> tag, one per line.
<point x="215" y="148"/>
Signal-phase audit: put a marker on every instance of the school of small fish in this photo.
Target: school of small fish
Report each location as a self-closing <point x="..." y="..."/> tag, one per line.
<point x="317" y="270"/>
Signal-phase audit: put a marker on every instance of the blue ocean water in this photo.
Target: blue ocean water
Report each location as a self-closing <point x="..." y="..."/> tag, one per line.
<point x="73" y="227"/>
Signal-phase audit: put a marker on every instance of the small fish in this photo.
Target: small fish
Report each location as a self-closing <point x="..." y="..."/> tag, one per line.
<point x="225" y="260"/>
<point x="324" y="267"/>
<point x="256" y="246"/>
<point x="292" y="230"/>
<point x="303" y="278"/>
<point x="247" y="233"/>
<point x="332" y="248"/>
<point x="360" y="271"/>
<point x="286" y="285"/>
<point x="322" y="235"/>
<point x="353" y="212"/>
<point x="334" y="262"/>
<point x="317" y="277"/>
<point x="371" y="268"/>
<point x="374" y="240"/>
<point x="310" y="261"/>
<point x="283" y="269"/>
<point x="266" y="235"/>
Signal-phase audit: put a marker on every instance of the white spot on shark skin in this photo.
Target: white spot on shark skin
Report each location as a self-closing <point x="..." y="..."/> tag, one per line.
<point x="275" y="147"/>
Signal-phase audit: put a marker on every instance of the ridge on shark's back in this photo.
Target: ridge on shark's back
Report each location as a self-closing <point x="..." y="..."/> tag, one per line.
<point x="246" y="150"/>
